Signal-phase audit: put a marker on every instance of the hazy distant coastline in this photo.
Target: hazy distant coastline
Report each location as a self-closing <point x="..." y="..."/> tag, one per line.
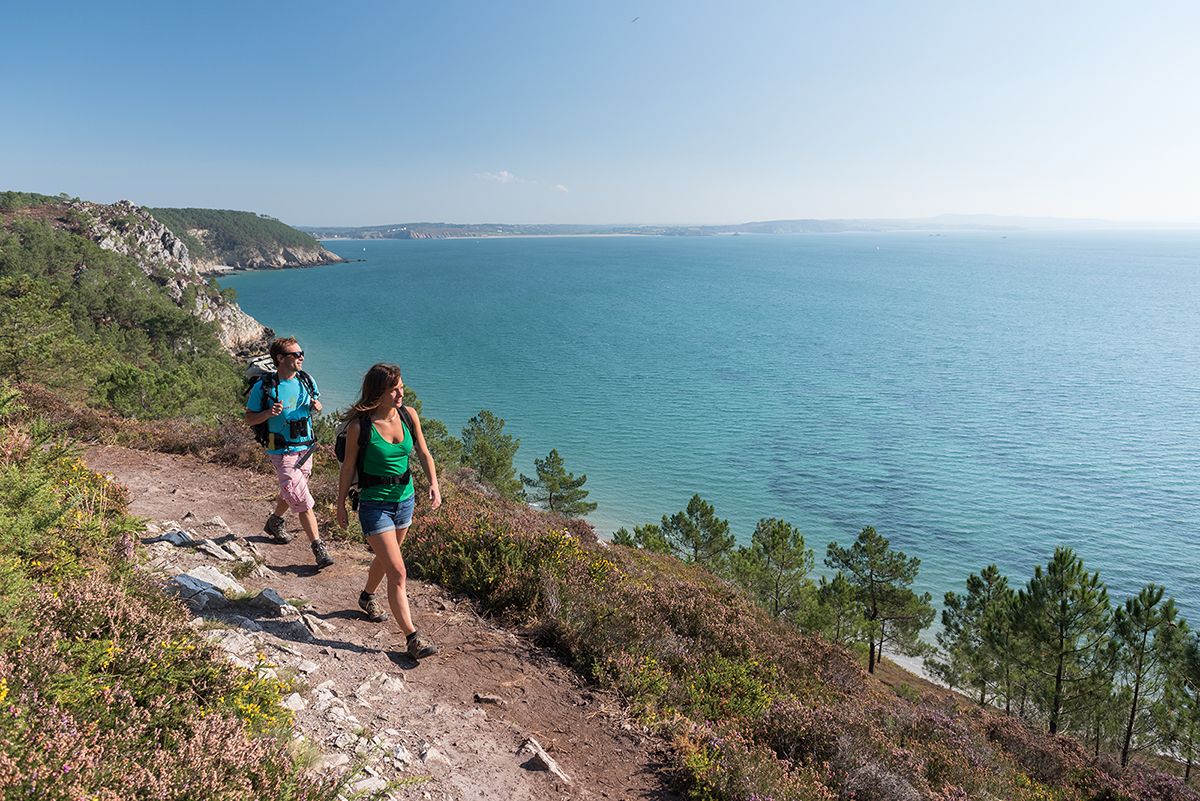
<point x="940" y="223"/>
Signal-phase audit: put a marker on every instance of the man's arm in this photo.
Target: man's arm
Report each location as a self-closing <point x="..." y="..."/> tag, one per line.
<point x="256" y="398"/>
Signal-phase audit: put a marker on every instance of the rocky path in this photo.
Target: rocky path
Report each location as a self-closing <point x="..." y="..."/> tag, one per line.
<point x="490" y="717"/>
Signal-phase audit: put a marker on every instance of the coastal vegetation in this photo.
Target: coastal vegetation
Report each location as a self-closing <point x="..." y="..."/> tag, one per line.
<point x="241" y="239"/>
<point x="105" y="691"/>
<point x="231" y="237"/>
<point x="757" y="674"/>
<point x="88" y="323"/>
<point x="555" y="490"/>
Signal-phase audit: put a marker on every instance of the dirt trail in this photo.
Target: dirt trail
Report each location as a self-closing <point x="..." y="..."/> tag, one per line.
<point x="437" y="736"/>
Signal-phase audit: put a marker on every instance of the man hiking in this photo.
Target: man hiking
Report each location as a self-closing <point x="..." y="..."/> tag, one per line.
<point x="284" y="401"/>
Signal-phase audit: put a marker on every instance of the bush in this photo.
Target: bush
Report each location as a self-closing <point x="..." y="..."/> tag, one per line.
<point x="105" y="690"/>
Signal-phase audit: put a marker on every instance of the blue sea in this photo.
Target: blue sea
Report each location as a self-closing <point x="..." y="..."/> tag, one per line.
<point x="976" y="397"/>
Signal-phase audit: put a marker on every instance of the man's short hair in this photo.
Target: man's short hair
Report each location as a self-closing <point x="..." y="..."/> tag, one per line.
<point x="281" y="345"/>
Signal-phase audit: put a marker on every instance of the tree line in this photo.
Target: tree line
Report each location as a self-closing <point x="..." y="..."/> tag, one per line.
<point x="1057" y="652"/>
<point x="1123" y="677"/>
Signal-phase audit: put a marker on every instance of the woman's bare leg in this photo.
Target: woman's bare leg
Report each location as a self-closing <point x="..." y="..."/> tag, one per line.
<point x="378" y="570"/>
<point x="386" y="546"/>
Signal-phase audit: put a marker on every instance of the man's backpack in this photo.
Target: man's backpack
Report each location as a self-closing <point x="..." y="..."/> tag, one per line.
<point x="363" y="480"/>
<point x="262" y="368"/>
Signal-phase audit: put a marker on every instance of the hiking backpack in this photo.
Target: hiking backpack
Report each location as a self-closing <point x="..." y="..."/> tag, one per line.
<point x="262" y="368"/>
<point x="363" y="480"/>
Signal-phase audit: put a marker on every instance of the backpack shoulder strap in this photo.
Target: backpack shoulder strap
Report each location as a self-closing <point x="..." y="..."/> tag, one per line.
<point x="407" y="418"/>
<point x="364" y="436"/>
<point x="307" y="382"/>
<point x="364" y="432"/>
<point x="270" y="381"/>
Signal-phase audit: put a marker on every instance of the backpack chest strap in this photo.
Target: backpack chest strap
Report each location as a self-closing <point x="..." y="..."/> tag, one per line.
<point x="367" y="480"/>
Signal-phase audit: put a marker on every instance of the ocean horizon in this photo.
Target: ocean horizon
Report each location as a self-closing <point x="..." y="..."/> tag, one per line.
<point x="976" y="397"/>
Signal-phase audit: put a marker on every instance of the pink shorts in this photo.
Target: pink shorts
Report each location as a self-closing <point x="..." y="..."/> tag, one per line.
<point x="293" y="482"/>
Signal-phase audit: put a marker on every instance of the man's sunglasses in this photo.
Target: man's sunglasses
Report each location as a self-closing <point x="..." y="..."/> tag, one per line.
<point x="299" y="354"/>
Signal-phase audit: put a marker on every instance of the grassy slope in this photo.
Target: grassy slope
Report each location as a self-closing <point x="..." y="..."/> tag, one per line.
<point x="105" y="692"/>
<point x="756" y="708"/>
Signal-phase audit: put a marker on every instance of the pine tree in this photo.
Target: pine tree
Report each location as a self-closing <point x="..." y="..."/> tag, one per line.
<point x="839" y="611"/>
<point x="1066" y="613"/>
<point x="648" y="537"/>
<point x="775" y="566"/>
<point x="557" y="489"/>
<point x="1177" y="717"/>
<point x="1146" y="632"/>
<point x="882" y="579"/>
<point x="697" y="535"/>
<point x="490" y="451"/>
<point x="966" y="657"/>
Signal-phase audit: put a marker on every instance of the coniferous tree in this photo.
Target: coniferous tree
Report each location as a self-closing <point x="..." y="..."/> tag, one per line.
<point x="1177" y="717"/>
<point x="840" y="615"/>
<point x="1066" y="613"/>
<point x="882" y="578"/>
<point x="907" y="615"/>
<point x="967" y="658"/>
<point x="697" y="535"/>
<point x="648" y="537"/>
<point x="1098" y="712"/>
<point x="775" y="566"/>
<point x="557" y="489"/>
<point x="37" y="338"/>
<point x="490" y="451"/>
<point x="1147" y="635"/>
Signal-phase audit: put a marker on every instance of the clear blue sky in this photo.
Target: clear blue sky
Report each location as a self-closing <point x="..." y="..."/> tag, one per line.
<point x="376" y="112"/>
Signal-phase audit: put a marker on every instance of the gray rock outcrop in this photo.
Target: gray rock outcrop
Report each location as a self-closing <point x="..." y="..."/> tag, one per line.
<point x="132" y="231"/>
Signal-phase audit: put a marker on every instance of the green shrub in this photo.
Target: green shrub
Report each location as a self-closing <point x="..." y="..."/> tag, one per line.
<point x="106" y="691"/>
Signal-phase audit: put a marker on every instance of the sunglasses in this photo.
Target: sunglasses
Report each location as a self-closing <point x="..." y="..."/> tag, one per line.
<point x="299" y="354"/>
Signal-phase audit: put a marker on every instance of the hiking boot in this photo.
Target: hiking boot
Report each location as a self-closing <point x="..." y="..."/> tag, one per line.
<point x="274" y="527"/>
<point x="321" y="554"/>
<point x="371" y="607"/>
<point x="419" y="647"/>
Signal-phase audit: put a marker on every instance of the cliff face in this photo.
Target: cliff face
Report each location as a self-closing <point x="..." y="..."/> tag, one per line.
<point x="131" y="231"/>
<point x="262" y="257"/>
<point x="224" y="239"/>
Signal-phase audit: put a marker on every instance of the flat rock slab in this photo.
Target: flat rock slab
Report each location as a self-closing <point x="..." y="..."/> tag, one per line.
<point x="215" y="578"/>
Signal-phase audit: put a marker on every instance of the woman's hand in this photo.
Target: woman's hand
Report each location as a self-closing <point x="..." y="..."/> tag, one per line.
<point x="435" y="496"/>
<point x="340" y="514"/>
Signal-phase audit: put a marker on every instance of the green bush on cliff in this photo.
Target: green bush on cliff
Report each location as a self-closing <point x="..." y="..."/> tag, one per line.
<point x="11" y="201"/>
<point x="89" y="323"/>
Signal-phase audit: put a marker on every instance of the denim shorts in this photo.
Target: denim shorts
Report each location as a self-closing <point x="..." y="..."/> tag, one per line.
<point x="376" y="517"/>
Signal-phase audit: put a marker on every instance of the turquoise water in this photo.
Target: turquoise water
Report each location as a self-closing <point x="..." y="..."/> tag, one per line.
<point x="977" y="398"/>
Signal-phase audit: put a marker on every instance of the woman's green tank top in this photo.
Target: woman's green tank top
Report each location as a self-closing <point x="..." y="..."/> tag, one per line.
<point x="383" y="458"/>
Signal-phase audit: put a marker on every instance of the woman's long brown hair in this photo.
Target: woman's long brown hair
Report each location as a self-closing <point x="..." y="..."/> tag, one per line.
<point x="378" y="380"/>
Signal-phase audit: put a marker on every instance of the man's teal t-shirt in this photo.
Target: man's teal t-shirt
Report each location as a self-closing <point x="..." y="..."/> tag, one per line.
<point x="297" y="405"/>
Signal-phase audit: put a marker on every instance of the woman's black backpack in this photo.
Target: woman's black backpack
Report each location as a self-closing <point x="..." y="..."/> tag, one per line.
<point x="361" y="479"/>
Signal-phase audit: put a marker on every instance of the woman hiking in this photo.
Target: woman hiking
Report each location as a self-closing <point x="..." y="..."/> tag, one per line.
<point x="381" y="454"/>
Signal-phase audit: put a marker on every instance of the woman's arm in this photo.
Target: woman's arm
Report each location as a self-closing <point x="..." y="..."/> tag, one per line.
<point x="346" y="475"/>
<point x="435" y="492"/>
